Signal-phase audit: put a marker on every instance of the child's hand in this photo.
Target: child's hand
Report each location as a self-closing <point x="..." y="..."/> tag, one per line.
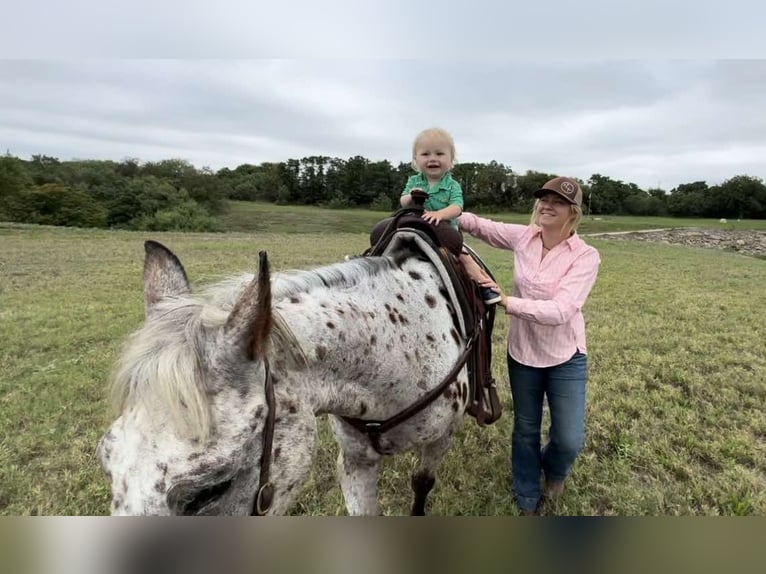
<point x="432" y="217"/>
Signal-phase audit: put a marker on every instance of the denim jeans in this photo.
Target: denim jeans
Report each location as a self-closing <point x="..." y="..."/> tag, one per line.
<point x="564" y="385"/>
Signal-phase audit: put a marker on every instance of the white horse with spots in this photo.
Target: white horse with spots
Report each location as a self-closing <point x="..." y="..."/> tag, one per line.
<point x="218" y="393"/>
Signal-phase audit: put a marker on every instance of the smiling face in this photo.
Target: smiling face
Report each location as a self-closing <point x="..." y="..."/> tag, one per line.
<point x="553" y="212"/>
<point x="433" y="157"/>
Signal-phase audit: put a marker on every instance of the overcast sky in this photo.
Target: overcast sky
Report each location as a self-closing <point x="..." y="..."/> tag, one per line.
<point x="653" y="123"/>
<point x="650" y="121"/>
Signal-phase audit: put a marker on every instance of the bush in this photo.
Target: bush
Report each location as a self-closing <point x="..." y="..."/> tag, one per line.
<point x="382" y="203"/>
<point x="57" y="204"/>
<point x="187" y="216"/>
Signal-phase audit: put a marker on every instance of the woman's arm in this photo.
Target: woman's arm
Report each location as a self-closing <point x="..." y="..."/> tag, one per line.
<point x="569" y="298"/>
<point x="503" y="235"/>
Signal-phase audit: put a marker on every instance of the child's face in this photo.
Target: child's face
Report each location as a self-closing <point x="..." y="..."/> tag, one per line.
<point x="433" y="158"/>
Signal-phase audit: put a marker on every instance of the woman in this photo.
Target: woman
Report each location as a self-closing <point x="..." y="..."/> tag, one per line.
<point x="554" y="271"/>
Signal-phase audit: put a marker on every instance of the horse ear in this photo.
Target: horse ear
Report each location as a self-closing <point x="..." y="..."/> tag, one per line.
<point x="250" y="321"/>
<point x="163" y="275"/>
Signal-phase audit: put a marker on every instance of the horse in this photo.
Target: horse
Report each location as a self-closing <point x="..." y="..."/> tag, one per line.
<point x="217" y="393"/>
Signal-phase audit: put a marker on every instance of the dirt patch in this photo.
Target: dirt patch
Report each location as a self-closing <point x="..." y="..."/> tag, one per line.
<point x="745" y="242"/>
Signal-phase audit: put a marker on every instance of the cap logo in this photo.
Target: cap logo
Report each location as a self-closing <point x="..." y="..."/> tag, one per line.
<point x="567" y="187"/>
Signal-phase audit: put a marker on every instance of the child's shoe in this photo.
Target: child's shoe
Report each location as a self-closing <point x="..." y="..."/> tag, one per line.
<point x="489" y="296"/>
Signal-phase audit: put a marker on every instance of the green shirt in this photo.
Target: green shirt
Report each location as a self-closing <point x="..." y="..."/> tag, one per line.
<point x="446" y="191"/>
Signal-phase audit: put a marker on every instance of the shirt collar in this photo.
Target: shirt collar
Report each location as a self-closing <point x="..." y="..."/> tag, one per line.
<point x="573" y="241"/>
<point x="444" y="183"/>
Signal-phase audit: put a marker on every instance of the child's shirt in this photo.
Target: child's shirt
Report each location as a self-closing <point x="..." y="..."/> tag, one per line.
<point x="446" y="192"/>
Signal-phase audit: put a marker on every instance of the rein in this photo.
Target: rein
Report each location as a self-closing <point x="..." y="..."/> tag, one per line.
<point x="265" y="496"/>
<point x="374" y="429"/>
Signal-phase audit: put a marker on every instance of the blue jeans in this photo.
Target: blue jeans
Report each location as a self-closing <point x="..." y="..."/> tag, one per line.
<point x="564" y="385"/>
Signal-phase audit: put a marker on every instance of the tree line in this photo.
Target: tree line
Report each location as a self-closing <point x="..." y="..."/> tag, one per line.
<point x="175" y="195"/>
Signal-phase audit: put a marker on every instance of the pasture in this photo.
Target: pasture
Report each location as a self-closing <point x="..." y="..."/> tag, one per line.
<point x="676" y="417"/>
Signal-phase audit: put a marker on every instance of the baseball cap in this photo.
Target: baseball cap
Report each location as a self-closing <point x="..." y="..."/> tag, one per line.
<point x="566" y="187"/>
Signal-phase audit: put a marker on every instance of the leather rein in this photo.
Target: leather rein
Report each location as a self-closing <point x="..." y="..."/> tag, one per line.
<point x="265" y="495"/>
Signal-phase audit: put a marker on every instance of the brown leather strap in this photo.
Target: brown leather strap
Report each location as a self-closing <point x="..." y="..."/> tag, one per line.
<point x="265" y="495"/>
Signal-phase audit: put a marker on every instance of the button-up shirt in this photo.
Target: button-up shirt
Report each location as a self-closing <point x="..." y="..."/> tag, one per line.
<point x="446" y="191"/>
<point x="547" y="324"/>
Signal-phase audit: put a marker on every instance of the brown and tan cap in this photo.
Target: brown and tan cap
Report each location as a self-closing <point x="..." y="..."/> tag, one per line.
<point x="566" y="187"/>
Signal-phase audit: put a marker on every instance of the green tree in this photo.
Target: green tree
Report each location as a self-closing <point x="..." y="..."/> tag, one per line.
<point x="57" y="204"/>
<point x="14" y="181"/>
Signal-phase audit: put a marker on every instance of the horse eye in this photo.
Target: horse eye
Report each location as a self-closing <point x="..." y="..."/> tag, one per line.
<point x="194" y="502"/>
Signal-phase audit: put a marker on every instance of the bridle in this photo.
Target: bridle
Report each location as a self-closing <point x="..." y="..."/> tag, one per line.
<point x="265" y="494"/>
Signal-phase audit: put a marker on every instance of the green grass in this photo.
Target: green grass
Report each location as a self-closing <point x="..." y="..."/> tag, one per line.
<point x="676" y="420"/>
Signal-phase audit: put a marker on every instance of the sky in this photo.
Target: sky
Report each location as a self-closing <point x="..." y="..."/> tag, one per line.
<point x="127" y="90"/>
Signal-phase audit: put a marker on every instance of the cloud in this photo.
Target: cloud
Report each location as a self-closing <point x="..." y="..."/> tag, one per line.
<point x="648" y="122"/>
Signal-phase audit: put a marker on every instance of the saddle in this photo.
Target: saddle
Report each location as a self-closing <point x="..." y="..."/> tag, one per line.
<point x="475" y="319"/>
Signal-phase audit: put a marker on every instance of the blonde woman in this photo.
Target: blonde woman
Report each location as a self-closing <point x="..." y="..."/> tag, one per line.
<point x="554" y="271"/>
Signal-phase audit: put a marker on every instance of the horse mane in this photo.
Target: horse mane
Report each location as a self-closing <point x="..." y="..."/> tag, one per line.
<point x="161" y="363"/>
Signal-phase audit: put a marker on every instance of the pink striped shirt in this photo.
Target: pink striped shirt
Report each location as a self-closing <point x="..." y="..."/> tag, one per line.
<point x="547" y="327"/>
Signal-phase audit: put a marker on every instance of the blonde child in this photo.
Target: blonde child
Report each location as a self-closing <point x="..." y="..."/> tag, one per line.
<point x="433" y="157"/>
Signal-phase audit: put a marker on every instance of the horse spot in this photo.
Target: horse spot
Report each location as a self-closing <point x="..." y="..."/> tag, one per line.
<point x="392" y="317"/>
<point x="330" y="325"/>
<point x="447" y="393"/>
<point x="389" y="346"/>
<point x="321" y="352"/>
<point x="323" y="305"/>
<point x="431" y="301"/>
<point x="159" y="486"/>
<point x="117" y="503"/>
<point x="371" y="314"/>
<point x="407" y="356"/>
<point x="163" y="468"/>
<point x="290" y="407"/>
<point x="388" y="307"/>
<point x="415" y="275"/>
<point x="403" y="320"/>
<point x="340" y="311"/>
<point x="363" y="409"/>
<point x="444" y="337"/>
<point x="277" y="452"/>
<point x="422" y="384"/>
<point x="373" y="340"/>
<point x="430" y="338"/>
<point x="455" y="336"/>
<point x="455" y="406"/>
<point x="399" y="296"/>
<point x="294" y="299"/>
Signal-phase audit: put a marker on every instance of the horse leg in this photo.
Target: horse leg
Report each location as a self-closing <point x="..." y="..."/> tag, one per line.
<point x="357" y="469"/>
<point x="358" y="475"/>
<point x="424" y="478"/>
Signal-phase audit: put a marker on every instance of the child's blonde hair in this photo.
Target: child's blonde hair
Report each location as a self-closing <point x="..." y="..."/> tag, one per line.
<point x="575" y="216"/>
<point x="433" y="134"/>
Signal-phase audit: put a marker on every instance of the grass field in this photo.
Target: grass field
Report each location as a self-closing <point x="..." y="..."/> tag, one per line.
<point x="677" y="347"/>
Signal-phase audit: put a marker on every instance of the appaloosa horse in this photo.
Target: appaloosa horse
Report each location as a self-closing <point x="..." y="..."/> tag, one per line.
<point x="218" y="393"/>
